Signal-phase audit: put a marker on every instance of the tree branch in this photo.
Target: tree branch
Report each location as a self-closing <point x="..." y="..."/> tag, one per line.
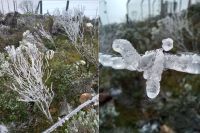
<point x="67" y="117"/>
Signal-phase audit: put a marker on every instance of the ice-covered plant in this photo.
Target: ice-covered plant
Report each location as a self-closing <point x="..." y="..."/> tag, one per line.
<point x="176" y="27"/>
<point x="74" y="26"/>
<point x="4" y="29"/>
<point x="60" y="122"/>
<point x="72" y="21"/>
<point x="3" y="64"/>
<point x="84" y="121"/>
<point x="44" y="33"/>
<point x="28" y="68"/>
<point x="26" y="6"/>
<point x="152" y="63"/>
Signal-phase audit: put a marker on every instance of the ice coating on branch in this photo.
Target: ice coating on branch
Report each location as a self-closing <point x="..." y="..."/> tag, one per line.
<point x="105" y="60"/>
<point x="28" y="68"/>
<point x="118" y="63"/>
<point x="185" y="62"/>
<point x="114" y="62"/>
<point x="128" y="52"/>
<point x="167" y="44"/>
<point x="152" y="63"/>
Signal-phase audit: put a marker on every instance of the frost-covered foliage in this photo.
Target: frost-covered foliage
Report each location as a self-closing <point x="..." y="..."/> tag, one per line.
<point x="26" y="6"/>
<point x="3" y="64"/>
<point x="149" y="128"/>
<point x="4" y="29"/>
<point x="38" y="36"/>
<point x="176" y="27"/>
<point x="71" y="21"/>
<point x="28" y="68"/>
<point x="44" y="33"/>
<point x="74" y="26"/>
<point x="35" y="39"/>
<point x="84" y="121"/>
<point x="152" y="63"/>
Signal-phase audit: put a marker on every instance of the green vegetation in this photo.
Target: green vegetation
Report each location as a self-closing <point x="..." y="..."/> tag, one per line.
<point x="69" y="71"/>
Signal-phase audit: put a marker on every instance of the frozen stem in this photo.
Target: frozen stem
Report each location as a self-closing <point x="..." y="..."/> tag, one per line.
<point x="74" y="112"/>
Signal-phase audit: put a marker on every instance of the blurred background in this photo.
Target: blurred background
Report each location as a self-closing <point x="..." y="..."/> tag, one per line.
<point x="124" y="106"/>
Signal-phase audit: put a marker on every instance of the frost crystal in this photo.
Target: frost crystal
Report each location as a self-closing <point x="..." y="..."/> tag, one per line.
<point x="152" y="63"/>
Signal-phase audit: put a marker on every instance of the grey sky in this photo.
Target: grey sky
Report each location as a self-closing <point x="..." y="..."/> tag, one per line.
<point x="116" y="9"/>
<point x="90" y="6"/>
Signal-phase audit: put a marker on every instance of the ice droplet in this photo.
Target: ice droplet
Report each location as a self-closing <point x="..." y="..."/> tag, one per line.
<point x="167" y="44"/>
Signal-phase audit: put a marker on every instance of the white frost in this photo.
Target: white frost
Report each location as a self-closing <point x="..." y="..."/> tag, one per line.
<point x="28" y="69"/>
<point x="3" y="129"/>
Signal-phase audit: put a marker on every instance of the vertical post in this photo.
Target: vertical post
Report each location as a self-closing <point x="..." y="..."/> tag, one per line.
<point x="189" y="3"/>
<point x="41" y="7"/>
<point x="14" y="5"/>
<point x="175" y="6"/>
<point x="127" y="11"/>
<point x="141" y="6"/>
<point x="67" y="5"/>
<point x="161" y="8"/>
